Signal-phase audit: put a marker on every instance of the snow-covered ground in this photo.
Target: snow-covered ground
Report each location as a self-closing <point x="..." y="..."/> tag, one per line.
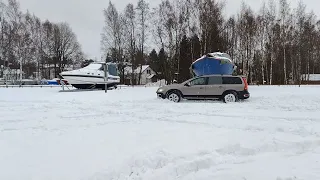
<point x="130" y="134"/>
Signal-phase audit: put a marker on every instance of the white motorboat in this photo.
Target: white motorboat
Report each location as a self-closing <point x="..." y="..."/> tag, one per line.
<point x="92" y="76"/>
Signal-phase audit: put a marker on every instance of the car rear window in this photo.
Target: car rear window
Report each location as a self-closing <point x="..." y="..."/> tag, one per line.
<point x="231" y="80"/>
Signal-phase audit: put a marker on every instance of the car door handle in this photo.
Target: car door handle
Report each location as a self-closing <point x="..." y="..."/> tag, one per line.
<point x="220" y="86"/>
<point x="201" y="88"/>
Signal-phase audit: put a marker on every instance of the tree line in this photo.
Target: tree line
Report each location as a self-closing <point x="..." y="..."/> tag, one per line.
<point x="32" y="45"/>
<point x="274" y="45"/>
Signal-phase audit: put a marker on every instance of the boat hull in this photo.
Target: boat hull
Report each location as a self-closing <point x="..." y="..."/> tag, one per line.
<point x="94" y="86"/>
<point x="90" y="82"/>
<point x="208" y="66"/>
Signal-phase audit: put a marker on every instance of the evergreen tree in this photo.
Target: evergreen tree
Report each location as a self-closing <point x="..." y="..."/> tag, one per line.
<point x="185" y="60"/>
<point x="154" y="61"/>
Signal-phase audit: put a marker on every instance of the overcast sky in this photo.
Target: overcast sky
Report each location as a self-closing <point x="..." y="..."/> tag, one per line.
<point x="86" y="16"/>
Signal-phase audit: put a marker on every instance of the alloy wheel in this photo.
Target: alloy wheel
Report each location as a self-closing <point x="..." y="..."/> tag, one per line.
<point x="230" y="98"/>
<point x="174" y="97"/>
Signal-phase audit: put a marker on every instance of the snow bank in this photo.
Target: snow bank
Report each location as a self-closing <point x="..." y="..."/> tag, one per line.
<point x="157" y="84"/>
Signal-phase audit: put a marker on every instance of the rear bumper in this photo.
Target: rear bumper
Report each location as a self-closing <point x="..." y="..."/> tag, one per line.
<point x="244" y="94"/>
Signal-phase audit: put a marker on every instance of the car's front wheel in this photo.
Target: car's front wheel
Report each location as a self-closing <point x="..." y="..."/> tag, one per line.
<point x="174" y="96"/>
<point x="230" y="97"/>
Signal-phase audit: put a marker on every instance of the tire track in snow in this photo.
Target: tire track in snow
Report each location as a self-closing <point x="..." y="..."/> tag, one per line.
<point x="162" y="165"/>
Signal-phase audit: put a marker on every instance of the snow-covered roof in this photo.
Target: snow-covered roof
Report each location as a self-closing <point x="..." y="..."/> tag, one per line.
<point x="128" y="69"/>
<point x="313" y="77"/>
<point x="217" y="55"/>
<point x="220" y="56"/>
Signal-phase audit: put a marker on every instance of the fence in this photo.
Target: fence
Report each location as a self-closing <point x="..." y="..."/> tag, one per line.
<point x="32" y="86"/>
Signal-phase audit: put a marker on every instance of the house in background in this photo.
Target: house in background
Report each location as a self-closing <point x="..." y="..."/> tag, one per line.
<point x="13" y="74"/>
<point x="148" y="75"/>
<point x="312" y="79"/>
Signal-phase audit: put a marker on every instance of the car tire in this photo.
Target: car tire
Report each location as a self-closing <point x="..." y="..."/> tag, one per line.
<point x="174" y="96"/>
<point x="230" y="97"/>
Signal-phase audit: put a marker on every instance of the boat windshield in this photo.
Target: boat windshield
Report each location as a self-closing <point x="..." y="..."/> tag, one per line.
<point x="112" y="69"/>
<point x="93" y="66"/>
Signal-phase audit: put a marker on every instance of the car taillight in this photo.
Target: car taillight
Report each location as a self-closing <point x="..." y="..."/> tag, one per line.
<point x="245" y="83"/>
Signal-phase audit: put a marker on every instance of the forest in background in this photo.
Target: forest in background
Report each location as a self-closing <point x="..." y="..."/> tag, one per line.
<point x="274" y="45"/>
<point x="35" y="46"/>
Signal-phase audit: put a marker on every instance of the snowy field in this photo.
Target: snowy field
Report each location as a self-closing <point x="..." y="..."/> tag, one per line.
<point x="130" y="134"/>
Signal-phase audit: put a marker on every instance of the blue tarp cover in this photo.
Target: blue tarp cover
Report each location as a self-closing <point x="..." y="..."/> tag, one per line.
<point x="213" y="64"/>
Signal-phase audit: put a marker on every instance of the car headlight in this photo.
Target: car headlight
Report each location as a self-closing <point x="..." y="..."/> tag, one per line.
<point x="160" y="90"/>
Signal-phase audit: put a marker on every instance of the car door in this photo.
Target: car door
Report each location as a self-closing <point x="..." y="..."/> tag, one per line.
<point x="215" y="87"/>
<point x="195" y="88"/>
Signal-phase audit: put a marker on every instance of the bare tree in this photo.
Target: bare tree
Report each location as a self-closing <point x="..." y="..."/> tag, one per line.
<point x="269" y="47"/>
<point x="2" y="35"/>
<point x="271" y="16"/>
<point x="164" y="25"/>
<point x="285" y="27"/>
<point x="113" y="41"/>
<point x="112" y="32"/>
<point x="142" y="15"/>
<point x="38" y="43"/>
<point x="130" y="21"/>
<point x="247" y="27"/>
<point x="21" y="38"/>
<point x="263" y="38"/>
<point x="29" y="43"/>
<point x="70" y="47"/>
<point x="300" y="20"/>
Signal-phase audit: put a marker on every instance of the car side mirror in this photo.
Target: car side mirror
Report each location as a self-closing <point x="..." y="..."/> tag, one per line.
<point x="187" y="84"/>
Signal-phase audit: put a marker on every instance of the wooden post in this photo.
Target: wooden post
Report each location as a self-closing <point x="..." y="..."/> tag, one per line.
<point x="105" y="77"/>
<point x="62" y="83"/>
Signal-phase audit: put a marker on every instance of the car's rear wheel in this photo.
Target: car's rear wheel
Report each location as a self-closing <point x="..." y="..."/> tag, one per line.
<point x="230" y="97"/>
<point x="174" y="96"/>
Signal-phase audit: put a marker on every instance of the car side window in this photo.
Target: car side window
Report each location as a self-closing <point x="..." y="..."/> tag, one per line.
<point x="198" y="81"/>
<point x="231" y="80"/>
<point x="214" y="80"/>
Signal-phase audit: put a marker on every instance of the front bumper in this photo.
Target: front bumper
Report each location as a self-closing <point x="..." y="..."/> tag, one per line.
<point x="161" y="95"/>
